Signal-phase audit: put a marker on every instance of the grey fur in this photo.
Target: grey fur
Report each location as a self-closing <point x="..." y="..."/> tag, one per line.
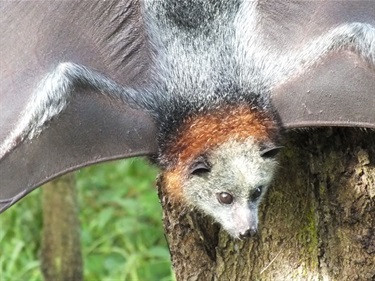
<point x="230" y="48"/>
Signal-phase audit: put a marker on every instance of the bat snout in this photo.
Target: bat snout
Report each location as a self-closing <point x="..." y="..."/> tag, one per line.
<point x="244" y="221"/>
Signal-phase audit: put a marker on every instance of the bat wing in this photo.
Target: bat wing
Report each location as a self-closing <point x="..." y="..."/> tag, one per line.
<point x="35" y="38"/>
<point x="338" y="89"/>
<point x="338" y="92"/>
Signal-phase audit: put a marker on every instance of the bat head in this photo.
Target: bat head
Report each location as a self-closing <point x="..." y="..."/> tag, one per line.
<point x="222" y="164"/>
<point x="229" y="182"/>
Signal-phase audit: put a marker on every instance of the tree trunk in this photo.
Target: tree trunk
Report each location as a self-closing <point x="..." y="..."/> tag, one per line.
<point x="316" y="223"/>
<point x="61" y="247"/>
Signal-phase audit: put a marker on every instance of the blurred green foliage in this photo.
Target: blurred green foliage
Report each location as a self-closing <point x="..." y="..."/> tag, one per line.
<point x="121" y="227"/>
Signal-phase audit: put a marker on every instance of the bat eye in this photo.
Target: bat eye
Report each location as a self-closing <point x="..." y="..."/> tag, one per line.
<point x="257" y="192"/>
<point x="224" y="198"/>
<point x="200" y="167"/>
<point x="270" y="152"/>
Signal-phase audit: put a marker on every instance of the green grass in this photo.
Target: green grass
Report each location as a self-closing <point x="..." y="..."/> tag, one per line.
<point x="121" y="227"/>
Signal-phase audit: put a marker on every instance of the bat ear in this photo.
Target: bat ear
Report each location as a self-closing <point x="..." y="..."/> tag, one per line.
<point x="338" y="91"/>
<point x="93" y="128"/>
<point x="270" y="151"/>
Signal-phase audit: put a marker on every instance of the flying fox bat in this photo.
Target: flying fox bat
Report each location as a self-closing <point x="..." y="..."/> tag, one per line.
<point x="205" y="88"/>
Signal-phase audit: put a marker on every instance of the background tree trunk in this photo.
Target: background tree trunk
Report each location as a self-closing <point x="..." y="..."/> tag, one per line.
<point x="316" y="223"/>
<point x="61" y="247"/>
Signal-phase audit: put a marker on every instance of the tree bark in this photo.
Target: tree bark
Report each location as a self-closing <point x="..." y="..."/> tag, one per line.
<point x="61" y="247"/>
<point x="316" y="223"/>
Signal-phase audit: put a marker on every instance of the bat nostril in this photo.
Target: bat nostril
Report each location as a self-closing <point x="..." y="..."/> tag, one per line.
<point x="253" y="230"/>
<point x="248" y="233"/>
